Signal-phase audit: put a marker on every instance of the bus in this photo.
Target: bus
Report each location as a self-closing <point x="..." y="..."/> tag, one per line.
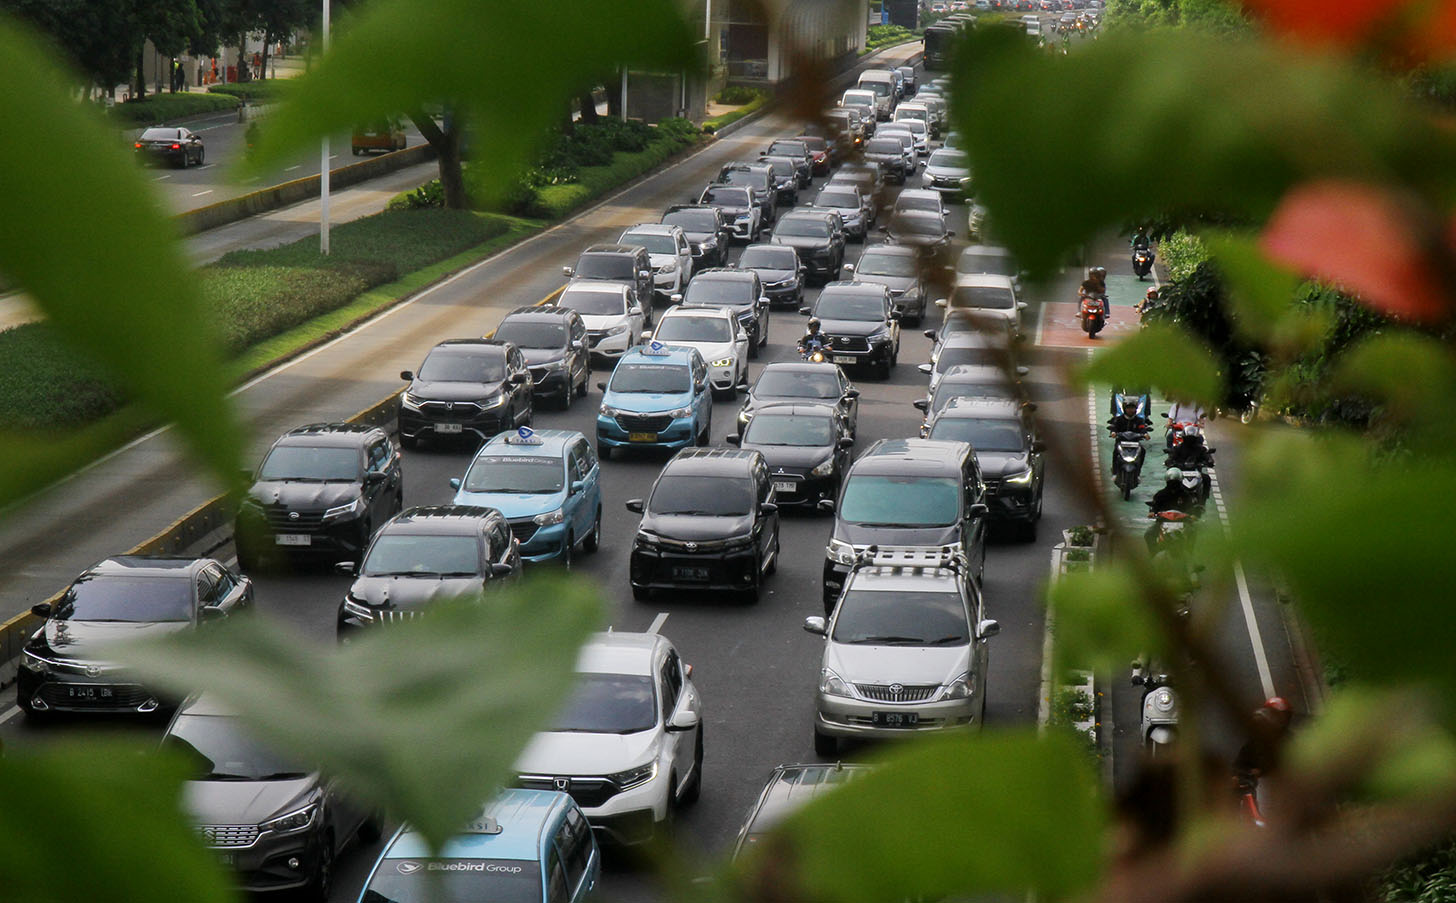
<point x="939" y="39"/>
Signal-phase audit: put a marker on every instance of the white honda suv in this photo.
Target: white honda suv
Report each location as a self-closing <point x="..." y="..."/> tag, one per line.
<point x="613" y="318"/>
<point x="628" y="746"/>
<point x="718" y="336"/>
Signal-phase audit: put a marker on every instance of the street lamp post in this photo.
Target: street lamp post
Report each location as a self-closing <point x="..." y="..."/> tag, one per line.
<point x="324" y="163"/>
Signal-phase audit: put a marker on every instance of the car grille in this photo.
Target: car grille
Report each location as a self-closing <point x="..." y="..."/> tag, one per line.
<point x="523" y="530"/>
<point x="698" y="547"/>
<point x="455" y="408"/>
<point x="896" y="692"/>
<point x="123" y="696"/>
<point x="228" y="835"/>
<point x="589" y="793"/>
<point x="849" y="343"/>
<point x="947" y="182"/>
<point x="280" y="520"/>
<point x="644" y="423"/>
<point x="993" y="487"/>
<point x="539" y="374"/>
<point x="594" y="337"/>
<point x="395" y="615"/>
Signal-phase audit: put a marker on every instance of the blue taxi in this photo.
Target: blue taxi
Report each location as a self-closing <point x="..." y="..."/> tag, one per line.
<point x="526" y="845"/>
<point x="548" y="485"/>
<point x="658" y="397"/>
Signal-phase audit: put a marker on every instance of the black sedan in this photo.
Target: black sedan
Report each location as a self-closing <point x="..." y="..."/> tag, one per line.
<point x="818" y="236"/>
<point x="778" y="270"/>
<point x="806" y="447"/>
<point x="922" y="230"/>
<point x="175" y="145"/>
<point x="706" y="230"/>
<point x="802" y="382"/>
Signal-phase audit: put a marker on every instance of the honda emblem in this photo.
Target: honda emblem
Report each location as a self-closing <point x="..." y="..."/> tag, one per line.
<point x="562" y="784"/>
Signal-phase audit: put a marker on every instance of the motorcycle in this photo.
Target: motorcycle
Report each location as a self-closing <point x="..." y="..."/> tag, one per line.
<point x="1093" y="314"/>
<point x="1160" y="710"/>
<point x="815" y="351"/>
<point x="1249" y="790"/>
<point x="1174" y="435"/>
<point x="1130" y="454"/>
<point x="1194" y="480"/>
<point x="1142" y="262"/>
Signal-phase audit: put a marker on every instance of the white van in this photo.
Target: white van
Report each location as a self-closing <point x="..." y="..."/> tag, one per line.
<point x="882" y="83"/>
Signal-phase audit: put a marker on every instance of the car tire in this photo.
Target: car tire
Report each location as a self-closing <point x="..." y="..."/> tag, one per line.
<point x="773" y="563"/>
<point x="593" y="540"/>
<point x="568" y="551"/>
<point x="409" y="442"/>
<point x="753" y="347"/>
<point x="202" y="156"/>
<point x="825" y="746"/>
<point x="370" y="829"/>
<point x="641" y="593"/>
<point x="322" y="882"/>
<point x="568" y="395"/>
<point x="694" y="790"/>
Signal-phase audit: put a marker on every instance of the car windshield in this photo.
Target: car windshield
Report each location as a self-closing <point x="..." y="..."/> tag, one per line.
<point x="901" y="501"/>
<point x="836" y="198"/>
<point x="858" y="98"/>
<point x="783" y="169"/>
<point x="789" y="429"/>
<point x="705" y="496"/>
<point x="849" y="306"/>
<point x="743" y="177"/>
<point x="883" y="146"/>
<point x="904" y="113"/>
<point x="986" y="297"/>
<point x="915" y="202"/>
<point x="455" y="881"/>
<point x="766" y="259"/>
<point x="532" y="335"/>
<point x="994" y="264"/>
<point x="219" y="748"/>
<point x="707" y="290"/>
<point x="422" y="555"/>
<point x="110" y="597"/>
<point x="901" y="619"/>
<point x="726" y="195"/>
<point x="797" y="384"/>
<point x="604" y="266"/>
<point x="815" y="143"/>
<point x="918" y="225"/>
<point x="794" y="149"/>
<point x="655" y="244"/>
<point x="464" y="365"/>
<point x="880" y="264"/>
<point x="515" y="473"/>
<point x="693" y="329"/>
<point x="610" y="704"/>
<point x="879" y="89"/>
<point x="957" y="355"/>
<point x="589" y="304"/>
<point x="952" y="159"/>
<point x="692" y="220"/>
<point x="311" y="463"/>
<point x="803" y="227"/>
<point x="160" y="135"/>
<point x="660" y="379"/>
<point x="947" y="389"/>
<point x="984" y="434"/>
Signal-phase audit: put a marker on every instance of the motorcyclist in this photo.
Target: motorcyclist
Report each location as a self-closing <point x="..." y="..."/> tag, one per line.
<point x="1193" y="453"/>
<point x="1140" y="238"/>
<point x="1175" y="497"/>
<point x="1128" y="421"/>
<point x="1142" y="403"/>
<point x="812" y="340"/>
<point x="1095" y="285"/>
<point x="1260" y="755"/>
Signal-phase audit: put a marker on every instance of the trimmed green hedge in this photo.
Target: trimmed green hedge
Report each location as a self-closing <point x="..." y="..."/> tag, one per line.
<point x="884" y="35"/>
<point x="252" y="296"/>
<point x="556" y="201"/>
<point x="263" y="91"/>
<point x="162" y="108"/>
<point x="717" y="122"/>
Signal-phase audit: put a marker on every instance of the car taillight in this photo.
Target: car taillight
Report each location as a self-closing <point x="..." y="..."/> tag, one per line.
<point x="138" y="144"/>
<point x="176" y="147"/>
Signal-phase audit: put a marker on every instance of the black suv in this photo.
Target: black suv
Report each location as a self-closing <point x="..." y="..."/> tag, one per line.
<point x="779" y="271"/>
<point x="320" y="489"/>
<point x="629" y="264"/>
<point x="425" y="554"/>
<point x="818" y="236"/>
<point x="759" y="177"/>
<point x="799" y="152"/>
<point x="553" y="342"/>
<point x="708" y="234"/>
<point x="711" y="523"/>
<point x="740" y="291"/>
<point x="1008" y="452"/>
<point x="68" y="665"/>
<point x="907" y="492"/>
<point x="859" y="321"/>
<point x="786" y="178"/>
<point x="890" y="154"/>
<point x="466" y="387"/>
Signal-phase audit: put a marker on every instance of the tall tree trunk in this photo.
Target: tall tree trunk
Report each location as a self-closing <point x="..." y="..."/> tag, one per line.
<point x="447" y="150"/>
<point x="141" y="76"/>
<point x="267" y="43"/>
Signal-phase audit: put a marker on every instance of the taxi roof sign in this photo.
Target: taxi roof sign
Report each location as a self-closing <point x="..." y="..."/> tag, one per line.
<point x="523" y="436"/>
<point x="482" y="824"/>
<point x="656" y="348"/>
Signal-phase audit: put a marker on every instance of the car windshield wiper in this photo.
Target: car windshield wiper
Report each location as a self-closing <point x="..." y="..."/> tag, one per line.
<point x="947" y="641"/>
<point x="522" y="489"/>
<point x="889" y="640"/>
<point x="282" y="776"/>
<point x="696" y="512"/>
<point x="224" y="776"/>
<point x="406" y="574"/>
<point x="459" y="573"/>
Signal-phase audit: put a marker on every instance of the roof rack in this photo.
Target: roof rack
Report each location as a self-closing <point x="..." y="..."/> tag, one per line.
<point x="913" y="557"/>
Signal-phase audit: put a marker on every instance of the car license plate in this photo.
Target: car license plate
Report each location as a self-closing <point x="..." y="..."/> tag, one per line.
<point x="786" y="487"/>
<point x="641" y="437"/>
<point x="88" y="692"/>
<point x="896" y="719"/>
<point x="843" y="359"/>
<point x="690" y="573"/>
<point x="448" y="428"/>
<point x="293" y="539"/>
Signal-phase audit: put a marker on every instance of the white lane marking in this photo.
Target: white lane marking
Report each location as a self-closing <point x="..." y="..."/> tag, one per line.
<point x="160" y="178"/>
<point x="9" y="713"/>
<point x="1093" y="422"/>
<point x="201" y="193"/>
<point x="657" y="622"/>
<point x="1246" y="602"/>
<point x="1048" y="648"/>
<point x="293" y="167"/>
<point x="1041" y="321"/>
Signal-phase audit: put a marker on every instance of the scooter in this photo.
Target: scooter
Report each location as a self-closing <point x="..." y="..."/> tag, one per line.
<point x="1160" y="710"/>
<point x="1093" y="315"/>
<point x="1142" y="262"/>
<point x="1196" y="481"/>
<point x="1130" y="454"/>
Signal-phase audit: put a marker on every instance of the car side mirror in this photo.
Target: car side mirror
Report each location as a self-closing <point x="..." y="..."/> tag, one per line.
<point x="950" y="235"/>
<point x="979" y="510"/>
<point x="894" y="315"/>
<point x="826" y="505"/>
<point x="852" y="393"/>
<point x="1164" y="415"/>
<point x="1029" y="405"/>
<point x="846" y="442"/>
<point x="940" y="302"/>
<point x="683" y="720"/>
<point x="768" y="508"/>
<point x="805" y="311"/>
<point x="922" y="405"/>
<point x="733" y="439"/>
<point x="568" y="272"/>
<point x="883" y="229"/>
<point x="499" y="570"/>
<point x="41" y="609"/>
<point x="579" y="344"/>
<point x="454" y="482"/>
<point x="602" y="386"/>
<point x="1021" y="305"/>
<point x="930" y="334"/>
<point x="1022" y="371"/>
<point x="578" y="486"/>
<point x="816" y="625"/>
<point x="848" y="268"/>
<point x="375" y="477"/>
<point x="675" y="297"/>
<point x="210" y="613"/>
<point x="925" y="368"/>
<point x="763" y="300"/>
<point x="987" y="628"/>
<point x="407" y="375"/>
<point x="743" y="386"/>
<point x="1038" y="446"/>
<point x="345" y="568"/>
<point x="635" y="506"/>
<point x="246" y="474"/>
<point x="646" y="335"/>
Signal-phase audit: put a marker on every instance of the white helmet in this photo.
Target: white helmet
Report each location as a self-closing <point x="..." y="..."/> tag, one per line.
<point x="1173" y="475"/>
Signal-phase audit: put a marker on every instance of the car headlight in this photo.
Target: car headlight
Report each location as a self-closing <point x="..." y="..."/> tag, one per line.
<point x="493" y="399"/>
<point x="1021" y="479"/>
<point x="553" y="365"/>
<point x="675" y="413"/>
<point x="358" y="609"/>
<point x="549" y="518"/>
<point x="353" y="507"/>
<point x="962" y="687"/>
<point x="619" y="329"/>
<point x="645" y="540"/>
<point x="634" y="777"/>
<point x="34" y="663"/>
<point x="840" y="552"/>
<point x="297" y="820"/>
<point x="743" y="218"/>
<point x="609" y="411"/>
<point x="669" y="267"/>
<point x="823" y="468"/>
<point x="709" y="242"/>
<point x="723" y="362"/>
<point x="410" y="402"/>
<point x="831" y="684"/>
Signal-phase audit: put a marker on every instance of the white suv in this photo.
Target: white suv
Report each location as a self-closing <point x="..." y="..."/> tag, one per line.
<point x="716" y="334"/>
<point x="628" y="746"/>
<point x="904" y="650"/>
<point x="613" y="318"/>
<point x="988" y="295"/>
<point x="671" y="254"/>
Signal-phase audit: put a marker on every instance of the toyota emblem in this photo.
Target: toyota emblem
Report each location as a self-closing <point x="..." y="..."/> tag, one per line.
<point x="690" y="546"/>
<point x="897" y="689"/>
<point x="562" y="784"/>
<point x="293" y="515"/>
<point x="92" y="671"/>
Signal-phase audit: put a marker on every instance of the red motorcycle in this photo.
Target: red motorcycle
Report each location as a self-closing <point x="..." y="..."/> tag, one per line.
<point x="1093" y="315"/>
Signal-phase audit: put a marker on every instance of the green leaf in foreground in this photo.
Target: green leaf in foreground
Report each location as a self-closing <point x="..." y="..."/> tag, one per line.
<point x="1102" y="621"/>
<point x="422" y="718"/>
<point x="1000" y="812"/>
<point x="87" y="240"/>
<point x="99" y="820"/>
<point x="1161" y="357"/>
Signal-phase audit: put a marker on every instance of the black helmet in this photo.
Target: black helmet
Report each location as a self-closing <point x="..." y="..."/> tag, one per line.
<point x="813" y="324"/>
<point x="1098" y="272"/>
